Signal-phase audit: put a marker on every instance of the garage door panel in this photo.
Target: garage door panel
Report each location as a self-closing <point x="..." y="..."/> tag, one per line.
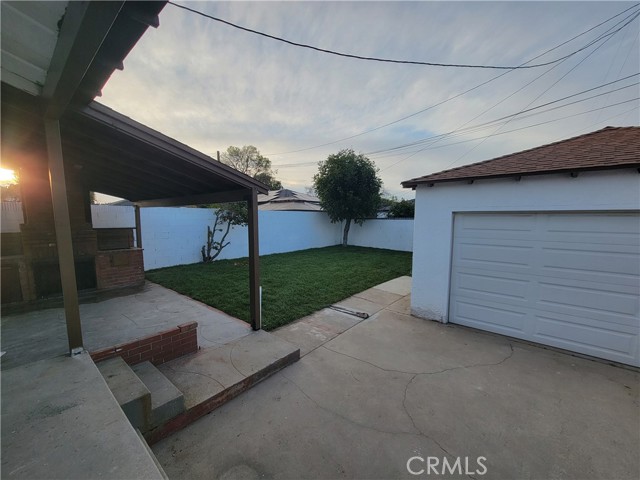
<point x="592" y="229"/>
<point x="494" y="256"/>
<point x="583" y="299"/>
<point x="567" y="280"/>
<point x="490" y="317"/>
<point x="590" y="339"/>
<point x="505" y="289"/>
<point x="615" y="264"/>
<point x="488" y="226"/>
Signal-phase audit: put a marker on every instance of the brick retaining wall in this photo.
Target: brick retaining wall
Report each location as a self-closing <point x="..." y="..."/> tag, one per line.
<point x="157" y="349"/>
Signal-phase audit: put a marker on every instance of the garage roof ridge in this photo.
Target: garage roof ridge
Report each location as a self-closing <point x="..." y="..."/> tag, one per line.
<point x="549" y="166"/>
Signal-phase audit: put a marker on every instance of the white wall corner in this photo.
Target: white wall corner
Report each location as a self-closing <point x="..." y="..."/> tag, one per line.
<point x="428" y="314"/>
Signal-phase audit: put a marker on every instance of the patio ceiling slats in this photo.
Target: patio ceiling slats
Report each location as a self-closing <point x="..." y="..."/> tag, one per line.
<point x="139" y="152"/>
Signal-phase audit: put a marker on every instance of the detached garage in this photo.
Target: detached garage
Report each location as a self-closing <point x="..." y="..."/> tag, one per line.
<point x="542" y="245"/>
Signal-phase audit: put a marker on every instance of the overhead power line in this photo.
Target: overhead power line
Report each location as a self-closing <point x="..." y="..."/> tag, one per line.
<point x="430" y="141"/>
<point x="625" y="22"/>
<point x="635" y="15"/>
<point x="450" y="144"/>
<point x="517" y="114"/>
<point x="434" y="147"/>
<point x="430" y="107"/>
<point x="378" y="59"/>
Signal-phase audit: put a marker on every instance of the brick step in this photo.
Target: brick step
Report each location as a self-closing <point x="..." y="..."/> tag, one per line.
<point x="166" y="400"/>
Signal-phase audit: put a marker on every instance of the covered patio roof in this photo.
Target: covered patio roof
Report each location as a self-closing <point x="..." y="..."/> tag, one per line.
<point x="121" y="157"/>
<point x="52" y="69"/>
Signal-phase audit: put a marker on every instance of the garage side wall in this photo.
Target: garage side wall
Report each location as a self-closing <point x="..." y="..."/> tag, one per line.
<point x="435" y="208"/>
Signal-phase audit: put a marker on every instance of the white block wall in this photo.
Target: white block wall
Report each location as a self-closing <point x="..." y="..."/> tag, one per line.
<point x="174" y="236"/>
<point x="392" y="234"/>
<point x="435" y="207"/>
<point x="113" y="216"/>
<point x="11" y="217"/>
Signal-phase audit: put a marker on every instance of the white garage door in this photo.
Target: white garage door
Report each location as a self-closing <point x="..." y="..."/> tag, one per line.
<point x="567" y="280"/>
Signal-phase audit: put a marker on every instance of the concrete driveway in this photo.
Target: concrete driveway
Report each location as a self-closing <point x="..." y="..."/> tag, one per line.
<point x="394" y="387"/>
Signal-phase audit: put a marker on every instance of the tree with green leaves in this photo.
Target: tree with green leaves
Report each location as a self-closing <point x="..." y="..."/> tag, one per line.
<point x="250" y="161"/>
<point x="226" y="215"/>
<point x="348" y="187"/>
<point x="403" y="209"/>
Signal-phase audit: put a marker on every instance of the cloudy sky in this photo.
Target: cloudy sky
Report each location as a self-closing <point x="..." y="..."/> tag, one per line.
<point x="210" y="85"/>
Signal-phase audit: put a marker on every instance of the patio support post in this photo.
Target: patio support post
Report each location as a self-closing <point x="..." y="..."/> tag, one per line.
<point x="254" y="262"/>
<point x="138" y="227"/>
<point x="63" y="235"/>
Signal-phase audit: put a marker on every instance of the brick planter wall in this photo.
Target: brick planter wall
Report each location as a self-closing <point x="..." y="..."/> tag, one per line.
<point x="119" y="268"/>
<point x="158" y="348"/>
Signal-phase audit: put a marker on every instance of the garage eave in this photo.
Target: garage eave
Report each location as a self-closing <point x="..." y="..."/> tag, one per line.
<point x="632" y="167"/>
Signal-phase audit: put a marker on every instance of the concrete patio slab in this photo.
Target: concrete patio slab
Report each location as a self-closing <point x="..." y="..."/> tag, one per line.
<point x="202" y="375"/>
<point x="42" y="334"/>
<point x="380" y="297"/>
<point x="359" y="304"/>
<point x="401" y="306"/>
<point x="394" y="387"/>
<point x="316" y="329"/>
<point x="399" y="286"/>
<point x="70" y="426"/>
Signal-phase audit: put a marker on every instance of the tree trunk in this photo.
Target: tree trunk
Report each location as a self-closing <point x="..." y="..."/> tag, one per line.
<point x="345" y="236"/>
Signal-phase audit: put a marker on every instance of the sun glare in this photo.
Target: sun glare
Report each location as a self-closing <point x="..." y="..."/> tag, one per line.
<point x="7" y="177"/>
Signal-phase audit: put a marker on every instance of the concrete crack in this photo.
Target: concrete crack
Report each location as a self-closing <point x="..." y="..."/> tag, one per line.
<point x="231" y="360"/>
<point x="346" y="419"/>
<point x="418" y="431"/>
<point x="473" y="365"/>
<point x="194" y="373"/>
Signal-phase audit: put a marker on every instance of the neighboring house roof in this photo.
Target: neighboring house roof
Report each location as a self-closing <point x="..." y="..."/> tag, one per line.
<point x="285" y="199"/>
<point x="609" y="148"/>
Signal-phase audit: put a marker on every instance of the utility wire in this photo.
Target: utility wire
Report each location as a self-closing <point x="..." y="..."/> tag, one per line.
<point x="539" y="124"/>
<point x="621" y="66"/>
<point x="485" y="124"/>
<point x="600" y="37"/>
<point x="377" y="59"/>
<point x="526" y="127"/>
<point x="626" y="21"/>
<point x="545" y="91"/>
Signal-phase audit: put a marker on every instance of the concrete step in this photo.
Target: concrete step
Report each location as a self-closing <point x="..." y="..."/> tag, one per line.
<point x="132" y="394"/>
<point x="166" y="400"/>
<point x="215" y="375"/>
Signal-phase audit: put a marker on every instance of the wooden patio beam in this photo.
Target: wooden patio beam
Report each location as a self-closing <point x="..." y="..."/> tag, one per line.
<point x="63" y="236"/>
<point x="254" y="262"/>
<point x="85" y="26"/>
<point x="138" y="227"/>
<point x="201" y="199"/>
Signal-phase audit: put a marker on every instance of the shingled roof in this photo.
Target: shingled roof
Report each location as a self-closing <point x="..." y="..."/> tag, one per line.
<point x="609" y="148"/>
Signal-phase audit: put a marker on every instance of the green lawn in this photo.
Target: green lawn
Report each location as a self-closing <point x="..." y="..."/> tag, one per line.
<point x="293" y="284"/>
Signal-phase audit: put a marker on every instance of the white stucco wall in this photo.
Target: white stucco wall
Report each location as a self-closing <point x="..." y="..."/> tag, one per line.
<point x="435" y="208"/>
<point x="392" y="234"/>
<point x="174" y="236"/>
<point x="113" y="216"/>
<point x="11" y="217"/>
<point x="289" y="231"/>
